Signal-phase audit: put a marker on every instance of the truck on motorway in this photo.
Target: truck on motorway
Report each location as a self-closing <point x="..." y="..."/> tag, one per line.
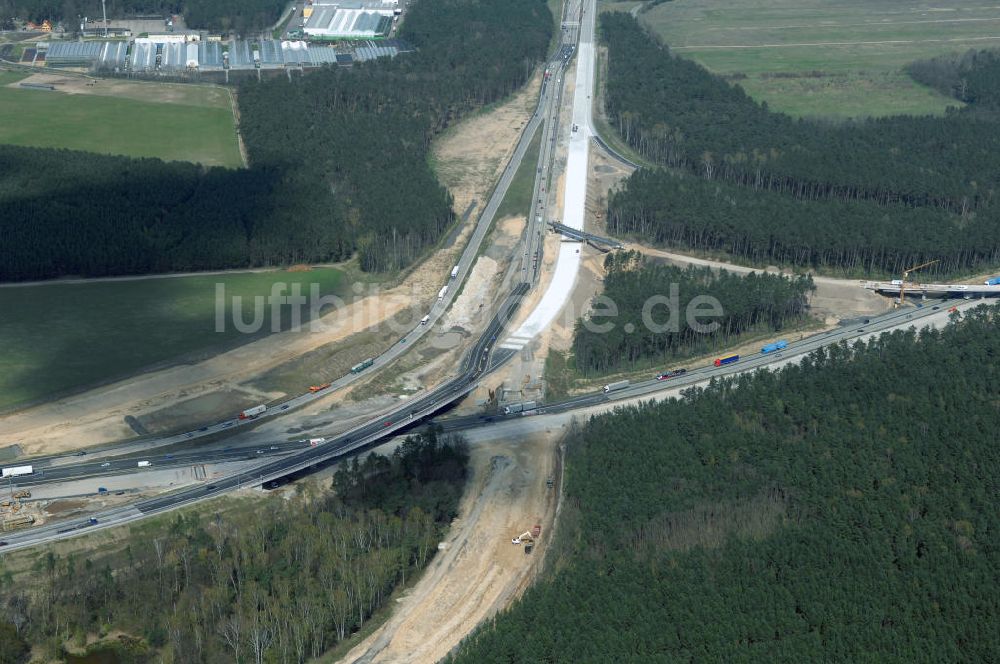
<point x="992" y="281"/>
<point x="313" y="442"/>
<point x="442" y="292"/>
<point x="14" y="471"/>
<point x="425" y="319"/>
<point x="619" y="385"/>
<point x="252" y="413"/>
<point x="519" y="407"/>
<point x="361" y="366"/>
<point x="143" y="464"/>
<point x="777" y="345"/>
<point x="454" y="272"/>
<point x="318" y="388"/>
<point x="728" y="359"/>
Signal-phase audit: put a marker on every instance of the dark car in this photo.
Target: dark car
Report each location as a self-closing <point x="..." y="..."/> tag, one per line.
<point x="2" y="543"/>
<point x="285" y="407"/>
<point x="203" y="429"/>
<point x="671" y="374"/>
<point x="210" y="487"/>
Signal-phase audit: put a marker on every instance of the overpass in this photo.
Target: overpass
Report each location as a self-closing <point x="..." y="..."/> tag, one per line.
<point x="942" y="290"/>
<point x="583" y="236"/>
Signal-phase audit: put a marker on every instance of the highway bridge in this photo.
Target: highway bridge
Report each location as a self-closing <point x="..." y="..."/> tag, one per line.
<point x="940" y="290"/>
<point x="583" y="236"/>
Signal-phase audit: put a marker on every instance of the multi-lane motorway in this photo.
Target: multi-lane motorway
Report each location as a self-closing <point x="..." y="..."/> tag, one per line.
<point x="480" y="360"/>
<point x="547" y="108"/>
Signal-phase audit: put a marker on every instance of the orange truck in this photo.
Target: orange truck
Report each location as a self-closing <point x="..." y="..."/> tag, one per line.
<point x="319" y="388"/>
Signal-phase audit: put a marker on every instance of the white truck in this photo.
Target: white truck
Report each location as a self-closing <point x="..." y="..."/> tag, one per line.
<point x="144" y="464"/>
<point x="425" y="319"/>
<point x="442" y="293"/>
<point x="14" y="471"/>
<point x="313" y="442"/>
<point x="252" y="413"/>
<point x="519" y="407"/>
<point x="620" y="385"/>
<point x="454" y="272"/>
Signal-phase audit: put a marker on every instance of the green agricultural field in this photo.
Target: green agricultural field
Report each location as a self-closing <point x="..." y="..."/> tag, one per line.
<point x="63" y="336"/>
<point x="170" y="121"/>
<point x="833" y="58"/>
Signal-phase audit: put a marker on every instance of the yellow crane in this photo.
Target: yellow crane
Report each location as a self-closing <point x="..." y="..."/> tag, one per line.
<point x="906" y="273"/>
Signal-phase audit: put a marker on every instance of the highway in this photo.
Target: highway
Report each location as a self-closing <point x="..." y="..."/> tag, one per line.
<point x="946" y="290"/>
<point x="575" y="191"/>
<point x="478" y="362"/>
<point x="482" y="358"/>
<point x="552" y="93"/>
<point x="550" y="96"/>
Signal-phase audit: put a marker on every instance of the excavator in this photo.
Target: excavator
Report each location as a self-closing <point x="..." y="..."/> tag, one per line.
<point x="523" y="538"/>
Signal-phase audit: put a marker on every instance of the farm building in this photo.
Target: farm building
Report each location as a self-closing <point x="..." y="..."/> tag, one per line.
<point x="104" y="55"/>
<point x="349" y="19"/>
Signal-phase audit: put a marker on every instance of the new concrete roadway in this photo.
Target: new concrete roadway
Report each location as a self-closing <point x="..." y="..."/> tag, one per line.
<point x="575" y="193"/>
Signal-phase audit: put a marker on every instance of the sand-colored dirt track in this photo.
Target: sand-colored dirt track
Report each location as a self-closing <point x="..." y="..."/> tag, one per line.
<point x="478" y="571"/>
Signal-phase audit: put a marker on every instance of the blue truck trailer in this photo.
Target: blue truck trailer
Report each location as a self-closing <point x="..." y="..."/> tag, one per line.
<point x="777" y="345"/>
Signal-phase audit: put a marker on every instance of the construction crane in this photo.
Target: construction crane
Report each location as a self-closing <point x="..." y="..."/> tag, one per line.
<point x="906" y="273"/>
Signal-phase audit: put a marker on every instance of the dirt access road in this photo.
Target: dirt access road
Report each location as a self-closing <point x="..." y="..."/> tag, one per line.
<point x="477" y="571"/>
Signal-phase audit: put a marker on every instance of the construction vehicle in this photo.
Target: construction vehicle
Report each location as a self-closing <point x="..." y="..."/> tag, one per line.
<point x="906" y="273"/>
<point x="528" y="535"/>
<point x="523" y="538"/>
<point x="23" y="493"/>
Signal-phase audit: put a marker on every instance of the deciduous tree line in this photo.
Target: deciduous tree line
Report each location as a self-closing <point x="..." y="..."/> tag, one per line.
<point x="281" y="582"/>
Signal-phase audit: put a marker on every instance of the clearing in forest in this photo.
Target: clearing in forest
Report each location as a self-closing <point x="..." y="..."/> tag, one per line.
<point x="828" y="58"/>
<point x="172" y="121"/>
